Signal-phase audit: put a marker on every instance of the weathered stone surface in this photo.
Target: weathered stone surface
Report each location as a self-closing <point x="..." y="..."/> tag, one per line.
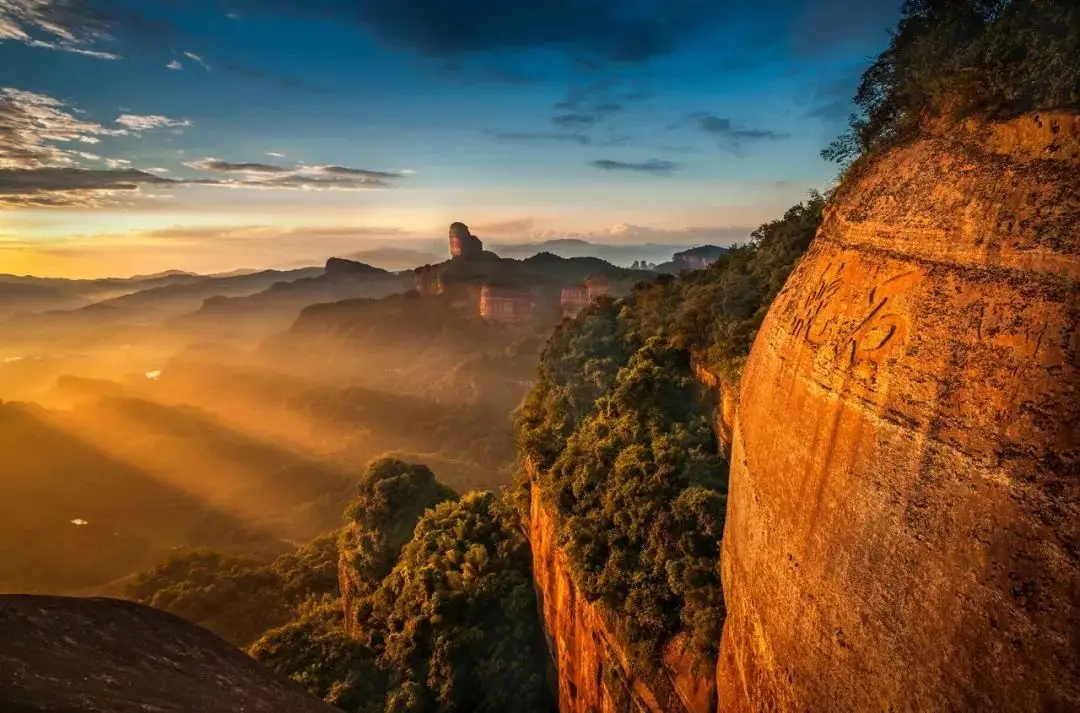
<point x="726" y="402"/>
<point x="574" y="299"/>
<point x="903" y="528"/>
<point x="505" y="305"/>
<point x="110" y="656"/>
<point x="594" y="671"/>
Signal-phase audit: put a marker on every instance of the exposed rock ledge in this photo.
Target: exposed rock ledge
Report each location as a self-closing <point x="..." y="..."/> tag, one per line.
<point x="594" y="671"/>
<point x="71" y="655"/>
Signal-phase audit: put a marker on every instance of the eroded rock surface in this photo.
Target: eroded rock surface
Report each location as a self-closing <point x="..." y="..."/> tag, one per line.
<point x="903" y="528"/>
<point x="72" y="655"/>
<point x="595" y="673"/>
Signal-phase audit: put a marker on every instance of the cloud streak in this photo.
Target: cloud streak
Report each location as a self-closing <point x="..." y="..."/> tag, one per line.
<point x="731" y="138"/>
<point x="60" y="25"/>
<point x="137" y="122"/>
<point x="654" y="166"/>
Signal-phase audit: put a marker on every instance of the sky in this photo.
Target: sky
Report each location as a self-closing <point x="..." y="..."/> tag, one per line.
<point x="209" y="135"/>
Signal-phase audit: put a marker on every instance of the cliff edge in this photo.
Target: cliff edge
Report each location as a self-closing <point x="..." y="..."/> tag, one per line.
<point x="111" y="656"/>
<point x="903" y="527"/>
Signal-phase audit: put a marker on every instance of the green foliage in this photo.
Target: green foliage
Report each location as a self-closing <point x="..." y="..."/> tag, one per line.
<point x="389" y="501"/>
<point x="641" y="491"/>
<point x="619" y="435"/>
<point x="577" y="367"/>
<point x="960" y="57"/>
<point x="327" y="662"/>
<point x="456" y="620"/>
<point x="239" y="598"/>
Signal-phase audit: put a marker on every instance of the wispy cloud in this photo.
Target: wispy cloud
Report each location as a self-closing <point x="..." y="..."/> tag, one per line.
<point x="215" y="164"/>
<point x="61" y="25"/>
<point x="728" y="136"/>
<point x="175" y="65"/>
<point x="146" y="122"/>
<point x="275" y="154"/>
<point x="197" y="58"/>
<point x="654" y="166"/>
<point x="33" y="128"/>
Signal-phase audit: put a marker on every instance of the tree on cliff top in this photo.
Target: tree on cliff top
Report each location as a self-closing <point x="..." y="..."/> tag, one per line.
<point x="389" y="502"/>
<point x="960" y="57"/>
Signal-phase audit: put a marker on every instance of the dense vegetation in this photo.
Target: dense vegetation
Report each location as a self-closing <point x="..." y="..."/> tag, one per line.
<point x="962" y="57"/>
<point x="389" y="502"/>
<point x="236" y="597"/>
<point x="618" y="435"/>
<point x="443" y="616"/>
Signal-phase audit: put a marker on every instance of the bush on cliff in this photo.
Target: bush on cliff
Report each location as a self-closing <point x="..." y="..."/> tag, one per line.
<point x="962" y="57"/>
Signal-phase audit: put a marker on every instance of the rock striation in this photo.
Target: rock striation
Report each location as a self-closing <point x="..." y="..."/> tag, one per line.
<point x="110" y="656"/>
<point x="903" y="528"/>
<point x="505" y="305"/>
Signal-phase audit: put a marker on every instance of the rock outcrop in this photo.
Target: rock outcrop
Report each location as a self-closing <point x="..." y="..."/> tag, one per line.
<point x="505" y="305"/>
<point x="464" y="244"/>
<point x="110" y="656"/>
<point x="574" y="299"/>
<point x="903" y="528"/>
<point x="594" y="669"/>
<point x="726" y="403"/>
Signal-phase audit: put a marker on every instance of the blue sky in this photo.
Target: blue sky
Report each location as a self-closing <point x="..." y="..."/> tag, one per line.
<point x="205" y="135"/>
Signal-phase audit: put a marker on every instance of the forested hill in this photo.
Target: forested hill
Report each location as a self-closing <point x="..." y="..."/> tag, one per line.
<point x="617" y="434"/>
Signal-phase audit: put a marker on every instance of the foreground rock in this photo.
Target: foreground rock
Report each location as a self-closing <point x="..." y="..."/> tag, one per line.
<point x="111" y="656"/>
<point x="903" y="526"/>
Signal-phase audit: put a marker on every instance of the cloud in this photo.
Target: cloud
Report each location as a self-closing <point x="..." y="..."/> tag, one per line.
<point x="607" y="30"/>
<point x="275" y="154"/>
<point x="504" y="227"/>
<point x="137" y="122"/>
<point x="729" y="137"/>
<point x="214" y="164"/>
<point x="574" y="121"/>
<point x="197" y="58"/>
<point x="61" y="25"/>
<point x="68" y="187"/>
<point x="654" y="166"/>
<point x="32" y="127"/>
<point x="362" y="172"/>
<point x="175" y="65"/>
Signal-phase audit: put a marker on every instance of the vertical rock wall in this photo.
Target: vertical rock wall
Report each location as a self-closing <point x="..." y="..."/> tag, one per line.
<point x="594" y="671"/>
<point x="903" y="527"/>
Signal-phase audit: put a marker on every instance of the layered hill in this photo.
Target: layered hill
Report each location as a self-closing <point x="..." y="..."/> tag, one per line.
<point x="110" y="656"/>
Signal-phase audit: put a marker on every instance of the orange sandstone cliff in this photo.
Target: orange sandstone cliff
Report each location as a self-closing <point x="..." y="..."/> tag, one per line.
<point x="594" y="671"/>
<point x="903" y="528"/>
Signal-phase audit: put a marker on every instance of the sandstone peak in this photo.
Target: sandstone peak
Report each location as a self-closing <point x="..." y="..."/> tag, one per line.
<point x="463" y="243"/>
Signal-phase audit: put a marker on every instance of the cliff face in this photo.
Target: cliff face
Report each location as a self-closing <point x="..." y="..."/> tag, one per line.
<point x="903" y="528"/>
<point x="111" y="656"/>
<point x="506" y="306"/>
<point x="594" y="672"/>
<point x="726" y="401"/>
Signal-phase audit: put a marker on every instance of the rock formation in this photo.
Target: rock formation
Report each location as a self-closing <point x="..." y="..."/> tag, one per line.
<point x="594" y="670"/>
<point x="903" y="528"/>
<point x="111" y="656"/>
<point x="574" y="299"/>
<point x="726" y="402"/>
<point x="505" y="305"/>
<point x="464" y="244"/>
<point x="428" y="280"/>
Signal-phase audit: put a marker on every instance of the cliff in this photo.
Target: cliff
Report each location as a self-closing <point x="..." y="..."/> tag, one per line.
<point x="594" y="670"/>
<point x="110" y="656"/>
<point x="505" y="305"/>
<point x="726" y="403"/>
<point x="903" y="527"/>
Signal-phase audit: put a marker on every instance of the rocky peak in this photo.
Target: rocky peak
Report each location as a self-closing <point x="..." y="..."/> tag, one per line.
<point x="464" y="244"/>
